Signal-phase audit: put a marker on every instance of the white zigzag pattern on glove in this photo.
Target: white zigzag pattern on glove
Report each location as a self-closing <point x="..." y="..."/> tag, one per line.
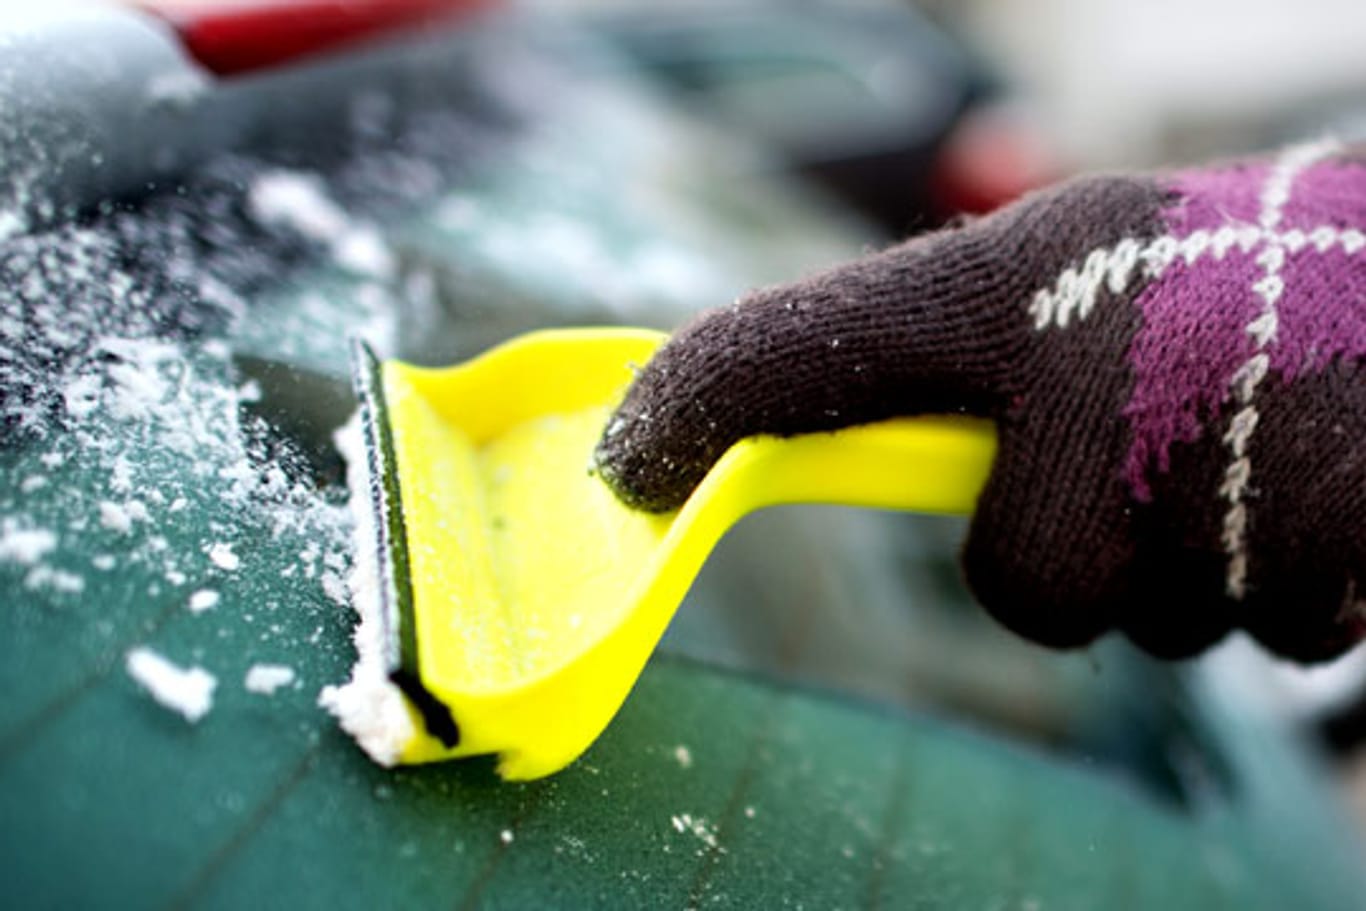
<point x="1115" y="267"/>
<point x="1073" y="295"/>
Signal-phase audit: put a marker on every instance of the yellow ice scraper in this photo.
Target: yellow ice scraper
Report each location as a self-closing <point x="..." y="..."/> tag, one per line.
<point x="509" y="600"/>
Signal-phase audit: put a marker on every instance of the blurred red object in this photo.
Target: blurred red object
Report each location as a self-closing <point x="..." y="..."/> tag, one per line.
<point x="994" y="155"/>
<point x="229" y="37"/>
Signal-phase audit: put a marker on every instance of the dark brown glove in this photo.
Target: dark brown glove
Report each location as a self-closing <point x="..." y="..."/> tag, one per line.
<point x="1175" y="364"/>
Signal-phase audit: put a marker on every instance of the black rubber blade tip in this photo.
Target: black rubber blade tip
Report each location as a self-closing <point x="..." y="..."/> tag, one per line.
<point x="395" y="584"/>
<point x="386" y="506"/>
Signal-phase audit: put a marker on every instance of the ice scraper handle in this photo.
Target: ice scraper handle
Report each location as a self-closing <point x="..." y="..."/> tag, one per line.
<point x="1176" y="368"/>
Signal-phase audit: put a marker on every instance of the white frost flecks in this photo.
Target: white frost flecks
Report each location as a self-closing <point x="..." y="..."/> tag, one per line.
<point x="178" y="89"/>
<point x="622" y="279"/>
<point x="162" y="389"/>
<point x="202" y="600"/>
<point x="699" y="827"/>
<point x="362" y="250"/>
<point x="368" y="706"/>
<point x="25" y="546"/>
<point x="81" y="395"/>
<point x="119" y="517"/>
<point x="267" y="678"/>
<point x="139" y="377"/>
<point x="249" y="392"/>
<point x="222" y="556"/>
<point x="121" y="476"/>
<point x="187" y="691"/>
<point x="114" y="338"/>
<point x="57" y="580"/>
<point x="214" y="292"/>
<point x="334" y="586"/>
<point x="11" y="224"/>
<point x="300" y="201"/>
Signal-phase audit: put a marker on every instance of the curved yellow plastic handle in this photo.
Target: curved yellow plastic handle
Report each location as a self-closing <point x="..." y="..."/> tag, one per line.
<point x="537" y="595"/>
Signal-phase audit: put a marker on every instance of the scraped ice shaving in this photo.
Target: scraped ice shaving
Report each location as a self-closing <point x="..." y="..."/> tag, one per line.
<point x="267" y="678"/>
<point x="188" y="691"/>
<point x="368" y="706"/>
<point x="202" y="600"/>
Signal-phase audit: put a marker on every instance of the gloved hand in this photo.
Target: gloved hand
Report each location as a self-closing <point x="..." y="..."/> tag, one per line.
<point x="1176" y="365"/>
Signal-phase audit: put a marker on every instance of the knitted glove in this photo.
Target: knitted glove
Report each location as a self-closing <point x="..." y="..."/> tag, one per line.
<point x="1176" y="365"/>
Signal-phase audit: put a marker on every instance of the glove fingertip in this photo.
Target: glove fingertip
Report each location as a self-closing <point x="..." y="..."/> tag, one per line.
<point x="651" y="455"/>
<point x="670" y="429"/>
<point x="628" y="472"/>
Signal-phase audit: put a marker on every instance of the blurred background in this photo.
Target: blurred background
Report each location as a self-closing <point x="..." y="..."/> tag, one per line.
<point x="909" y="113"/>
<point x="217" y="195"/>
